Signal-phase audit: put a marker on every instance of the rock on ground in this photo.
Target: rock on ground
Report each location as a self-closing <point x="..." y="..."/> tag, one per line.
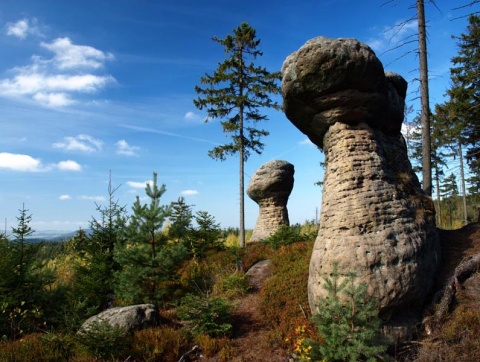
<point x="131" y="318"/>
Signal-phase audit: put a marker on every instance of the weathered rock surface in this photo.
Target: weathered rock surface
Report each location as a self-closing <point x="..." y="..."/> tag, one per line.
<point x="270" y="186"/>
<point x="375" y="219"/>
<point x="131" y="318"/>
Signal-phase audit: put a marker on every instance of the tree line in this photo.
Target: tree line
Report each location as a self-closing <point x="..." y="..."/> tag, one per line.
<point x="455" y="132"/>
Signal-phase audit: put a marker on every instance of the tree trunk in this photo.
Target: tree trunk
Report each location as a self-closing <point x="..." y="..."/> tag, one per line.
<point x="462" y="181"/>
<point x="439" y="208"/>
<point x="242" y="184"/>
<point x="424" y="98"/>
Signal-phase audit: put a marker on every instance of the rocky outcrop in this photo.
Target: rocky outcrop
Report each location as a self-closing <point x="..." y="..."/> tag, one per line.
<point x="375" y="219"/>
<point x="270" y="186"/>
<point x="130" y="319"/>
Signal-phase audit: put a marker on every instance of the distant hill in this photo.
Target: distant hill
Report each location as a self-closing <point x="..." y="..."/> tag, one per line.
<point x="53" y="235"/>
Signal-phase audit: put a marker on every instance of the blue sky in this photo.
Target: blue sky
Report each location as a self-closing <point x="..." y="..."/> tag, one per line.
<point x="88" y="87"/>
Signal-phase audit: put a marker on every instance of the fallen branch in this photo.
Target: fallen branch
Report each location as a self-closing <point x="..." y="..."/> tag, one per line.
<point x="195" y="349"/>
<point x="446" y="296"/>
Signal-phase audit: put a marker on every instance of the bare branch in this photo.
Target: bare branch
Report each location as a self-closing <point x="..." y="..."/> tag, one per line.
<point x="470" y="4"/>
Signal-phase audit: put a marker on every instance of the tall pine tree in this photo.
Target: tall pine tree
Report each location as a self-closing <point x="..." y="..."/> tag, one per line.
<point x="236" y="92"/>
<point x="464" y="93"/>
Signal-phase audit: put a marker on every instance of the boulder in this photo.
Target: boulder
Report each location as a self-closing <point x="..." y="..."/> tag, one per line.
<point x="375" y="219"/>
<point x="131" y="318"/>
<point x="258" y="274"/>
<point x="270" y="187"/>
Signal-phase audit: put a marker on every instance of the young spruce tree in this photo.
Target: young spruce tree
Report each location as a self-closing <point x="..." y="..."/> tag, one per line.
<point x="21" y="285"/>
<point x="180" y="220"/>
<point x="347" y="321"/>
<point x="147" y="261"/>
<point x="206" y="236"/>
<point x="236" y="92"/>
<point x="94" y="272"/>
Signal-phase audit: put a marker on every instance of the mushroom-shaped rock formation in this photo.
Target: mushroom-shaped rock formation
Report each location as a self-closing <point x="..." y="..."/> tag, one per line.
<point x="375" y="219"/>
<point x="270" y="187"/>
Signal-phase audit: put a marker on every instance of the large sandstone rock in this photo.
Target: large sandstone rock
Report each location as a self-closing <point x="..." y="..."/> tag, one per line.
<point x="375" y="219"/>
<point x="270" y="186"/>
<point x="131" y="318"/>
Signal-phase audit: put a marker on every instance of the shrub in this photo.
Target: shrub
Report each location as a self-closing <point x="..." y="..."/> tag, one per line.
<point x="38" y="347"/>
<point x="232" y="286"/>
<point x="205" y="315"/>
<point x="158" y="344"/>
<point x="457" y="340"/>
<point x="61" y="346"/>
<point x="199" y="276"/>
<point x="105" y="341"/>
<point x="349" y="326"/>
<point x="305" y="349"/>
<point x="284" y="296"/>
<point x="287" y="235"/>
<point x="18" y="320"/>
<point x="211" y="346"/>
<point x="255" y="252"/>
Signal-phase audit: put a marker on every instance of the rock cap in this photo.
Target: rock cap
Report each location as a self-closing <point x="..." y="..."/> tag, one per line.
<point x="340" y="80"/>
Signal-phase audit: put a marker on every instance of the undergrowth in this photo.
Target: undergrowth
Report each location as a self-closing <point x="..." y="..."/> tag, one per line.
<point x="284" y="295"/>
<point x="458" y="339"/>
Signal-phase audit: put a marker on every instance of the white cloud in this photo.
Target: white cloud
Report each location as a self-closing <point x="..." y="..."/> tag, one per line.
<point x="54" y="82"/>
<point x="394" y="36"/>
<point x="18" y="29"/>
<point x="189" y="192"/>
<point x="19" y="162"/>
<point x="123" y="148"/>
<point x="53" y="99"/>
<point x="69" y="166"/>
<point x="81" y="143"/>
<point x="31" y="81"/>
<point x="401" y="29"/>
<point x="191" y="116"/>
<point x="92" y="198"/>
<point x="26" y="163"/>
<point x="64" y="197"/>
<point x="139" y="185"/>
<point x="22" y="28"/>
<point x="71" y="56"/>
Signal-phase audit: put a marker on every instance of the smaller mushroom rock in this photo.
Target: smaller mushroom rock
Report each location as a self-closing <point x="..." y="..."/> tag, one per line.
<point x="270" y="187"/>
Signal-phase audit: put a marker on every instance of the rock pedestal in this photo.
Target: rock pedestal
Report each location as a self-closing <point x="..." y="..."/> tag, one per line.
<point x="375" y="219"/>
<point x="270" y="187"/>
